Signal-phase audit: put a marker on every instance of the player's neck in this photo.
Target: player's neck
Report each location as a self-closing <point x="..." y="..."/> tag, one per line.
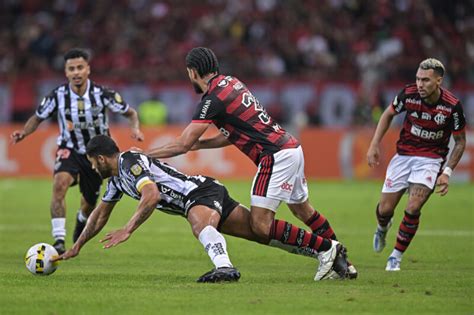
<point x="114" y="166"/>
<point x="434" y="97"/>
<point x="79" y="89"/>
<point x="205" y="81"/>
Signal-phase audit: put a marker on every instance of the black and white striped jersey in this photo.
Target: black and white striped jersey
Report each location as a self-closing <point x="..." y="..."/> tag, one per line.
<point x="177" y="190"/>
<point x="81" y="118"/>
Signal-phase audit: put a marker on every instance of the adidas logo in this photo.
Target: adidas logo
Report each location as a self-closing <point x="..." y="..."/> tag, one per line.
<point x="414" y="114"/>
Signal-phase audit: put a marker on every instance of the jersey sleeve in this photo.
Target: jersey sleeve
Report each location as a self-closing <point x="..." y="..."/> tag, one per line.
<point x="208" y="109"/>
<point x="114" y="101"/>
<point x="137" y="167"/>
<point x="112" y="193"/>
<point x="48" y="106"/>
<point x="398" y="104"/>
<point x="459" y="120"/>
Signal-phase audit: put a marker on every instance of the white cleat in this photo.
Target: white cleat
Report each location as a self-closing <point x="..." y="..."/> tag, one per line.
<point x="326" y="261"/>
<point x="393" y="264"/>
<point x="379" y="238"/>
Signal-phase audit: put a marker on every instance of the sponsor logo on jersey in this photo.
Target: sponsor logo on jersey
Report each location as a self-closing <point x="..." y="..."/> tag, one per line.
<point x="204" y="109"/>
<point x="456" y="121"/>
<point x="425" y="116"/>
<point x="413" y="101"/>
<point x="440" y="119"/>
<point x="444" y="108"/>
<point x="238" y="86"/>
<point x="286" y="186"/>
<point x="426" y="134"/>
<point x="223" y="83"/>
<point x="397" y="104"/>
<point x="84" y="124"/>
<point x="414" y="114"/>
<point x="136" y="169"/>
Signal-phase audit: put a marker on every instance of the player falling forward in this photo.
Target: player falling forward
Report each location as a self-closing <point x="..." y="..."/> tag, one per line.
<point x="81" y="109"/>
<point x="432" y="115"/>
<point x="242" y="120"/>
<point x="203" y="201"/>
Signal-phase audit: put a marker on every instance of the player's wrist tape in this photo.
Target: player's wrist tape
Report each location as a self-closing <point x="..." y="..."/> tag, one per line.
<point x="448" y="171"/>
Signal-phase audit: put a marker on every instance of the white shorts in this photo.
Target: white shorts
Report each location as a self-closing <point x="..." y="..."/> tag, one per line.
<point x="406" y="169"/>
<point x="280" y="177"/>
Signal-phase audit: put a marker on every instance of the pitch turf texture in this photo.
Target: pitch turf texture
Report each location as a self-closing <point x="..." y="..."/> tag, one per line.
<point x="155" y="271"/>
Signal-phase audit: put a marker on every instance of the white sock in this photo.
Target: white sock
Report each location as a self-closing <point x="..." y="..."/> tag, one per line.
<point x="397" y="254"/>
<point x="215" y="246"/>
<point x="81" y="217"/>
<point x="58" y="228"/>
<point x="382" y="228"/>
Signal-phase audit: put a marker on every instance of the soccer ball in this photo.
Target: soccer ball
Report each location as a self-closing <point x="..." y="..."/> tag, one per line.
<point x="38" y="259"/>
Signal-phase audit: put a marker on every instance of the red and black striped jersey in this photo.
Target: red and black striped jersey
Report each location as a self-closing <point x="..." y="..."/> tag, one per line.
<point x="230" y="105"/>
<point x="427" y="127"/>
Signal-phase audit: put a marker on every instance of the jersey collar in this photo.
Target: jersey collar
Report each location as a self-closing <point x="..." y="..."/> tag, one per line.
<point x="86" y="93"/>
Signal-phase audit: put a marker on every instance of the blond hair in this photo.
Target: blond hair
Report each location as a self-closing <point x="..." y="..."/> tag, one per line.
<point x="432" y="63"/>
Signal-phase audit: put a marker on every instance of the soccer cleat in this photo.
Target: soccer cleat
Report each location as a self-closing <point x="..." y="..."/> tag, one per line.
<point x="59" y="246"/>
<point x="326" y="261"/>
<point x="393" y="264"/>
<point x="379" y="238"/>
<point x="220" y="275"/>
<point x="351" y="271"/>
<point x="78" y="229"/>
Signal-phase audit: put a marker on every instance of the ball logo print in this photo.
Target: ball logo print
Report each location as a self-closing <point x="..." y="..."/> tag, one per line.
<point x="38" y="259"/>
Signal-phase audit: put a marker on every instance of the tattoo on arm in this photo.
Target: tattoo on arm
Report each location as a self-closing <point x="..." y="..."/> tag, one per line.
<point x="458" y="150"/>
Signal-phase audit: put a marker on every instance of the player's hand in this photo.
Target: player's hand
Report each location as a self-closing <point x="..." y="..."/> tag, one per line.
<point x="442" y="183"/>
<point x="73" y="252"/>
<point x="17" y="136"/>
<point x="373" y="156"/>
<point x="137" y="135"/>
<point x="114" y="238"/>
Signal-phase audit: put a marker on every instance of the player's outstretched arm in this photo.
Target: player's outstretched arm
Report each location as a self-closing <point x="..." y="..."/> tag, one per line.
<point x="150" y="196"/>
<point x="30" y="126"/>
<point x="218" y="141"/>
<point x="442" y="183"/>
<point x="373" y="153"/>
<point x="181" y="144"/>
<point x="96" y="221"/>
<point x="134" y="123"/>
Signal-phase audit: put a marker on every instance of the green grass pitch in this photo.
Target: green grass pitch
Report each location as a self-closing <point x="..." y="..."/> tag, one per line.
<point x="154" y="272"/>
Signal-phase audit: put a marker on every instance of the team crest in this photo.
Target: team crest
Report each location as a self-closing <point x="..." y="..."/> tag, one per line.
<point x="136" y="169"/>
<point x="118" y="98"/>
<point x="440" y="118"/>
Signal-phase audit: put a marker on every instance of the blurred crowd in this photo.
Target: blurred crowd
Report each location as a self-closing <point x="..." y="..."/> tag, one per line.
<point x="145" y="41"/>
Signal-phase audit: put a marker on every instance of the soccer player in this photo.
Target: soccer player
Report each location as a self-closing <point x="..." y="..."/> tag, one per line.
<point x="202" y="200"/>
<point x="432" y="115"/>
<point x="243" y="121"/>
<point x="81" y="108"/>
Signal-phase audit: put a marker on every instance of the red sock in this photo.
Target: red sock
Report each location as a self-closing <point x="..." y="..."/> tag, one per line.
<point x="407" y="231"/>
<point x="292" y="235"/>
<point x="320" y="226"/>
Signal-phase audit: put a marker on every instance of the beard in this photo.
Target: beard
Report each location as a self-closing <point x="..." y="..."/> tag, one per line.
<point x="197" y="88"/>
<point x="104" y="171"/>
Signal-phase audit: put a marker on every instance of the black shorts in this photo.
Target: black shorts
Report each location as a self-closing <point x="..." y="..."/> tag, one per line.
<point x="69" y="161"/>
<point x="214" y="196"/>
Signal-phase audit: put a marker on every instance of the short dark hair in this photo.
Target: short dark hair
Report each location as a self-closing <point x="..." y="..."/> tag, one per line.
<point x="77" y="53"/>
<point x="203" y="60"/>
<point x="102" y="145"/>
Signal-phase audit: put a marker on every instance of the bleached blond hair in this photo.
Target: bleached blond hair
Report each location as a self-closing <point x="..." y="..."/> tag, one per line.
<point x="432" y="63"/>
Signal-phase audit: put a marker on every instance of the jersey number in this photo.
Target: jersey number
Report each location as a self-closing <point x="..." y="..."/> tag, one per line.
<point x="248" y="99"/>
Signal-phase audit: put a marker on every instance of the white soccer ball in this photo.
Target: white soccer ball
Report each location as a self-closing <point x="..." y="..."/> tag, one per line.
<point x="38" y="259"/>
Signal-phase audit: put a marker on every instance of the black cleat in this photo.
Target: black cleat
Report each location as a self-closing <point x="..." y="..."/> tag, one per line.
<point x="220" y="275"/>
<point x="341" y="266"/>
<point x="59" y="246"/>
<point x="78" y="229"/>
